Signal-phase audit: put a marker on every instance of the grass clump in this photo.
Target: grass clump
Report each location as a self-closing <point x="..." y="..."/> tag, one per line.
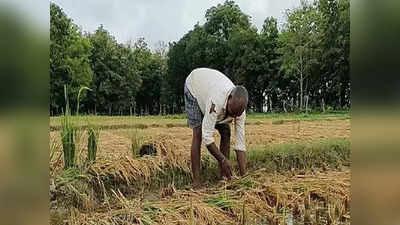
<point x="221" y="202"/>
<point x="320" y="154"/>
<point x="68" y="135"/>
<point x="93" y="140"/>
<point x="136" y="142"/>
<point x="69" y="131"/>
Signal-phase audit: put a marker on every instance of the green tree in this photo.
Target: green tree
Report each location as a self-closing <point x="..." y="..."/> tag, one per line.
<point x="152" y="71"/>
<point x="247" y="63"/>
<point x="299" y="46"/>
<point x="116" y="75"/>
<point x="269" y="39"/>
<point x="207" y="46"/>
<point x="305" y="64"/>
<point x="178" y="69"/>
<point x="335" y="36"/>
<point x="69" y="59"/>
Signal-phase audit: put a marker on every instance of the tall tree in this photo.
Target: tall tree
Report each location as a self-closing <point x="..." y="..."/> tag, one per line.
<point x="306" y="63"/>
<point x="69" y="59"/>
<point x="269" y="39"/>
<point x="152" y="67"/>
<point x="335" y="36"/>
<point x="299" y="46"/>
<point x="116" y="76"/>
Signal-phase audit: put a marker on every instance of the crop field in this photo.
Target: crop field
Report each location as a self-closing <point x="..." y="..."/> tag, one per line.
<point x="298" y="173"/>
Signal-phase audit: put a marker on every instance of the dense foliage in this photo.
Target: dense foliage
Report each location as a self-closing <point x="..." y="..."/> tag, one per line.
<point x="300" y="66"/>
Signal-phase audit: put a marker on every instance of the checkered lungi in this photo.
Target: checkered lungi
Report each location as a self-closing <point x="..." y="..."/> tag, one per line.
<point x="192" y="108"/>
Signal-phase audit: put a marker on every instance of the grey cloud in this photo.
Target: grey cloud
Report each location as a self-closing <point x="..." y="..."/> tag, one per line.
<point x="158" y="20"/>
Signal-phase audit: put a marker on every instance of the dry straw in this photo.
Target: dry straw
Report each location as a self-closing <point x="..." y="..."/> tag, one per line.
<point x="266" y="202"/>
<point x="115" y="192"/>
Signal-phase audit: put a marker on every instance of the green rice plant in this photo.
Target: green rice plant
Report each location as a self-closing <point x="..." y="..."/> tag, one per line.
<point x="73" y="188"/>
<point x="331" y="153"/>
<point x="69" y="131"/>
<point x="93" y="140"/>
<point x="136" y="142"/>
<point x="222" y="202"/>
<point x="244" y="213"/>
<point x="78" y="99"/>
<point x="68" y="134"/>
<point x="68" y="142"/>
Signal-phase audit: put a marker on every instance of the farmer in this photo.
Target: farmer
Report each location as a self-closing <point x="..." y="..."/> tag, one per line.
<point x="213" y="101"/>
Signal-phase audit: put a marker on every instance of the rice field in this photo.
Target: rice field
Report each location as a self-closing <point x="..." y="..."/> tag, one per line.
<point x="298" y="173"/>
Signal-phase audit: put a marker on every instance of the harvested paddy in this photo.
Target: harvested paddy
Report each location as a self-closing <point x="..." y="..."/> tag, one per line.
<point x="298" y="173"/>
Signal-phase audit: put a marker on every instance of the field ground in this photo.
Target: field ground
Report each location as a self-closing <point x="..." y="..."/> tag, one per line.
<point x="298" y="171"/>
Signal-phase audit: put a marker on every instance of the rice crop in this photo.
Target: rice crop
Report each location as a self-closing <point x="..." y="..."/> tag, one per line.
<point x="68" y="135"/>
<point x="93" y="140"/>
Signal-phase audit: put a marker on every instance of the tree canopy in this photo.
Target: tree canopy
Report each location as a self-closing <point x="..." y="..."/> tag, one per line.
<point x="302" y="65"/>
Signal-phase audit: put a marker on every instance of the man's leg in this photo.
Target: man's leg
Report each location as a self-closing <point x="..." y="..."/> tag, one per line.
<point x="241" y="158"/>
<point x="195" y="117"/>
<point x="225" y="132"/>
<point x="195" y="156"/>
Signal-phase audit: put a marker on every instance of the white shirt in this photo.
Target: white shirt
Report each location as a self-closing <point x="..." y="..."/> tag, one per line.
<point x="211" y="87"/>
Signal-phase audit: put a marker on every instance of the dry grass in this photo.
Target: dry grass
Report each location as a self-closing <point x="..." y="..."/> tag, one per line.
<point x="129" y="170"/>
<point x="115" y="144"/>
<point x="128" y="186"/>
<point x="303" y="179"/>
<point x="268" y="199"/>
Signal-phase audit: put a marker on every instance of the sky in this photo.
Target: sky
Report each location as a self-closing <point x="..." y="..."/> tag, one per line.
<point x="160" y="20"/>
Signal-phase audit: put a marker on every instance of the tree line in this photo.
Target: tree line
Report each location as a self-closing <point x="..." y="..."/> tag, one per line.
<point x="302" y="65"/>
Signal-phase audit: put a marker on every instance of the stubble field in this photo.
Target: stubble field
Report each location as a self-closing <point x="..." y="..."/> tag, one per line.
<point x="299" y="173"/>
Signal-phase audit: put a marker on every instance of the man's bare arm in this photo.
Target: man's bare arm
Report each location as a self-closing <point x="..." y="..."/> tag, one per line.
<point x="213" y="149"/>
<point x="224" y="162"/>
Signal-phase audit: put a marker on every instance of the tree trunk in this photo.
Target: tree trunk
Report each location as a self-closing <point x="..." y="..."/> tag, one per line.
<point x="284" y="105"/>
<point x="340" y="95"/>
<point x="306" y="99"/>
<point x="301" y="82"/>
<point x="265" y="105"/>
<point x="270" y="104"/>
<point x="301" y="91"/>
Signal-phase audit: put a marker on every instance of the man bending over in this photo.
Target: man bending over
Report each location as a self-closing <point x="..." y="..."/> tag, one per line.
<point x="212" y="101"/>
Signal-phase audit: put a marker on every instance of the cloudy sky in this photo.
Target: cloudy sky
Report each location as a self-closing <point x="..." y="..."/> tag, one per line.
<point x="160" y="20"/>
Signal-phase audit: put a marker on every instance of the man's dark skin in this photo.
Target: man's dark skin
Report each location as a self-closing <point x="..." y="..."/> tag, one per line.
<point x="233" y="109"/>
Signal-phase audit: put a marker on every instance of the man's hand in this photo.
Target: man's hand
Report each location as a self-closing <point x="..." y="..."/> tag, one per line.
<point x="226" y="168"/>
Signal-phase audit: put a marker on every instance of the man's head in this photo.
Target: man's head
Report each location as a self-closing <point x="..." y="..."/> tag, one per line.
<point x="237" y="101"/>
